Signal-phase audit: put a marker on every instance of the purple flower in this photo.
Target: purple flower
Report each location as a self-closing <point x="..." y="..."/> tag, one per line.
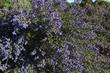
<point x="33" y="52"/>
<point x="20" y="11"/>
<point x="58" y="50"/>
<point x="25" y="25"/>
<point x="14" y="33"/>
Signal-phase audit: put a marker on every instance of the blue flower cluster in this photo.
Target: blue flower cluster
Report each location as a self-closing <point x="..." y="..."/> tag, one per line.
<point x="54" y="37"/>
<point x="19" y="40"/>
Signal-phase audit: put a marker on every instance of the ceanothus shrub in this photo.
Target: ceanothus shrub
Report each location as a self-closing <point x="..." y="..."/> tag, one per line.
<point x="54" y="37"/>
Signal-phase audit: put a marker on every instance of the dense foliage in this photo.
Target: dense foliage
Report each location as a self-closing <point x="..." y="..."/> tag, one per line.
<point x="55" y="37"/>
